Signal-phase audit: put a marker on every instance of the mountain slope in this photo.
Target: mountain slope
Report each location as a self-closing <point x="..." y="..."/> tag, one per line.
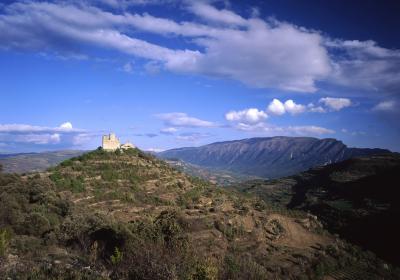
<point x="31" y="162"/>
<point x="268" y="157"/>
<point x="358" y="198"/>
<point x="130" y="216"/>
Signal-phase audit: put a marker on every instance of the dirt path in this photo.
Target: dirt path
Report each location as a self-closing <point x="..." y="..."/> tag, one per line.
<point x="296" y="235"/>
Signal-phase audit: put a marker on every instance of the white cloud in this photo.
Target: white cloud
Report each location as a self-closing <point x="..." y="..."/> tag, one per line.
<point x="26" y="128"/>
<point x="39" y="139"/>
<point x="385" y="106"/>
<point x="293" y="108"/>
<point x="66" y="126"/>
<point x="315" y="109"/>
<point x="210" y="13"/>
<point x="154" y="150"/>
<point x="192" y="136"/>
<point x="258" y="53"/>
<point x="310" y="130"/>
<point x="335" y="104"/>
<point x="183" y="120"/>
<point x="251" y="115"/>
<point x="276" y="107"/>
<point x="168" y="130"/>
<point x="365" y="65"/>
<point x="272" y="130"/>
<point x="64" y="135"/>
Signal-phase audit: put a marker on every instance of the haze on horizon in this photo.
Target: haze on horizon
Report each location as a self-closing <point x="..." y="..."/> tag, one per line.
<point x="166" y="74"/>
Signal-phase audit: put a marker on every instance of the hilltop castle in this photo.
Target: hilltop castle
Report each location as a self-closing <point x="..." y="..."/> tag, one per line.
<point x="110" y="142"/>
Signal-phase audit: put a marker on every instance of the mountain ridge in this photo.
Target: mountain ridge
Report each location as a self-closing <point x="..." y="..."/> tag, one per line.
<point x="269" y="157"/>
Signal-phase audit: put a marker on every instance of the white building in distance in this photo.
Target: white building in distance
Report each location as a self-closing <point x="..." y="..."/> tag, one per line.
<point x="110" y="142"/>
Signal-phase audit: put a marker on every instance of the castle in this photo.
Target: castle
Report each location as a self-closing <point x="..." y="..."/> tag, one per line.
<point x="110" y="142"/>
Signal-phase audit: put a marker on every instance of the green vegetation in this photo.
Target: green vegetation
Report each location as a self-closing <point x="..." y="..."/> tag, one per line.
<point x="116" y="258"/>
<point x="127" y="215"/>
<point x="5" y="237"/>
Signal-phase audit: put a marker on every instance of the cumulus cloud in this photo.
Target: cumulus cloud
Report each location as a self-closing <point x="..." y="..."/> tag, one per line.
<point x="293" y="108"/>
<point x="251" y="115"/>
<point x="335" y="104"/>
<point x="183" y="120"/>
<point x="66" y="126"/>
<point x="276" y="107"/>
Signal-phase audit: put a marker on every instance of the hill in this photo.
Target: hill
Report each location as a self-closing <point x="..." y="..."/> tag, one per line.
<point x="358" y="198"/>
<point x="270" y="157"/>
<point x="106" y="215"/>
<point x="31" y="162"/>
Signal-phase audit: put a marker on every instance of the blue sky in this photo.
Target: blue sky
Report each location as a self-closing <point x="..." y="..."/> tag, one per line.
<point x="167" y="74"/>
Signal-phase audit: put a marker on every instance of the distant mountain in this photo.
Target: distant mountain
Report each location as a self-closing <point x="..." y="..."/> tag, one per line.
<point x="30" y="162"/>
<point x="270" y="157"/>
<point x="358" y="198"/>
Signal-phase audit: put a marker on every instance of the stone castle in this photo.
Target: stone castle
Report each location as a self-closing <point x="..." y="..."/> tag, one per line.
<point x="110" y="142"/>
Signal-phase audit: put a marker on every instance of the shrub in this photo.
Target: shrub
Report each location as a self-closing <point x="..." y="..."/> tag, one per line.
<point x="36" y="224"/>
<point x="67" y="162"/>
<point x="116" y="258"/>
<point x="5" y="238"/>
<point x="205" y="270"/>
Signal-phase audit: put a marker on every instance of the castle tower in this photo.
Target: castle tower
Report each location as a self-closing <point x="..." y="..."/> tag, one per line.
<point x="110" y="142"/>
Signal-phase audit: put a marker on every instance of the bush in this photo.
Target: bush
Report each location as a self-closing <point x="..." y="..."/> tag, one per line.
<point x="205" y="270"/>
<point x="67" y="182"/>
<point x="5" y="238"/>
<point x="116" y="258"/>
<point x="36" y="224"/>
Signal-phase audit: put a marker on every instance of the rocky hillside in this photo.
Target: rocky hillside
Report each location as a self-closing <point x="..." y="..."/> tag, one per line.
<point x="270" y="157"/>
<point x="130" y="216"/>
<point x="358" y="198"/>
<point x="31" y="162"/>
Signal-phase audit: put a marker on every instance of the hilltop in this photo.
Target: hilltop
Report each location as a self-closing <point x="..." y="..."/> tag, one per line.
<point x="113" y="215"/>
<point x="358" y="198"/>
<point x="268" y="157"/>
